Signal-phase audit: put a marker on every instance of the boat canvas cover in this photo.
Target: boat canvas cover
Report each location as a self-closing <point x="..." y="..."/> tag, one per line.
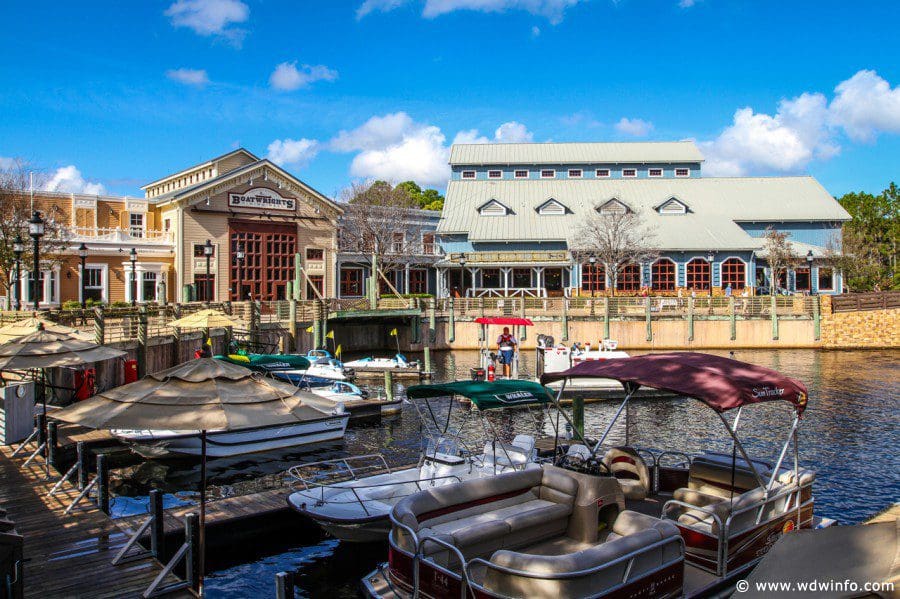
<point x="267" y="362"/>
<point x="721" y="383"/>
<point x="505" y="320"/>
<point x="487" y="395"/>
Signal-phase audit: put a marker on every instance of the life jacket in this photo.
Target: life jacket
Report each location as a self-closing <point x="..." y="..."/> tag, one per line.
<point x="506" y="339"/>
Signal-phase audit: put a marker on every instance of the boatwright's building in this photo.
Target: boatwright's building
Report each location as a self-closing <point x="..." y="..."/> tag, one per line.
<point x="513" y="212"/>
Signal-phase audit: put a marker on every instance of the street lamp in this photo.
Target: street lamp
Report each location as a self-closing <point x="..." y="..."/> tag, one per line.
<point x="133" y="256"/>
<point x="18" y="250"/>
<point x="82" y="253"/>
<point x="36" y="231"/>
<point x="710" y="256"/>
<point x="462" y="273"/>
<point x="593" y="274"/>
<point x="239" y="259"/>
<point x="207" y="251"/>
<point x="809" y="258"/>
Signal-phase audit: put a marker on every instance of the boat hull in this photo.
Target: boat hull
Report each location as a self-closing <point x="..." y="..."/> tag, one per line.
<point x="160" y="444"/>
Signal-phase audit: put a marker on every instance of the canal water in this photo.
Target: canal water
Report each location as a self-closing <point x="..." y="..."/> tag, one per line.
<point x="849" y="435"/>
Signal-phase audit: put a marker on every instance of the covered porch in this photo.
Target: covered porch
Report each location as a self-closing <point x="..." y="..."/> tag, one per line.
<point x="506" y="274"/>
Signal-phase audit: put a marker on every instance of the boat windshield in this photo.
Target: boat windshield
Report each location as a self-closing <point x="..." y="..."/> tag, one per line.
<point x="441" y="444"/>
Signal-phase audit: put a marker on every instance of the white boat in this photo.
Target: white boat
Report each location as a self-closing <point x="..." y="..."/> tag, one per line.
<point x="371" y="363"/>
<point x="339" y="392"/>
<point x="322" y="371"/>
<point x="555" y="358"/>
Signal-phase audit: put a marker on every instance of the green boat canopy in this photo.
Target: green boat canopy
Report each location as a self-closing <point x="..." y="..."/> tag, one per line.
<point x="487" y="395"/>
<point x="267" y="362"/>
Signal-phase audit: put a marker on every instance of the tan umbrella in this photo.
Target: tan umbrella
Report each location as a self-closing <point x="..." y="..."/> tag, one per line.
<point x="203" y="394"/>
<point x="205" y="319"/>
<point x="44" y="349"/>
<point x="21" y="328"/>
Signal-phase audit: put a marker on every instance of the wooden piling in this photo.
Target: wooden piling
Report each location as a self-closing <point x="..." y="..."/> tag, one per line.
<point x="606" y="318"/>
<point x="103" y="483"/>
<point x="578" y="413"/>
<point x="158" y="528"/>
<point x="451" y="334"/>
<point x="817" y="318"/>
<point x="284" y="585"/>
<point x="733" y="317"/>
<point x="99" y="326"/>
<point x="389" y="385"/>
<point x="292" y="325"/>
<point x="83" y="467"/>
<point x="427" y="358"/>
<point x="432" y="322"/>
<point x="774" y="309"/>
<point x="192" y="538"/>
<point x="42" y="428"/>
<point x="53" y="445"/>
<point x="690" y="318"/>
<point x="565" y="319"/>
<point x="648" y="315"/>
<point x="142" y="342"/>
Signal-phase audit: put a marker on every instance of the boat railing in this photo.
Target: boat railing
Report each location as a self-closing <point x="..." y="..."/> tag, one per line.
<point x="417" y="557"/>
<point x="361" y="500"/>
<point x="364" y="464"/>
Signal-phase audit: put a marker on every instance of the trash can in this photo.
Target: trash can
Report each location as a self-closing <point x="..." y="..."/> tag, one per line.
<point x="16" y="412"/>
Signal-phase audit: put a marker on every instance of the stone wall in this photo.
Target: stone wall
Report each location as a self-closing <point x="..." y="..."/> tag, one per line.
<point x="862" y="328"/>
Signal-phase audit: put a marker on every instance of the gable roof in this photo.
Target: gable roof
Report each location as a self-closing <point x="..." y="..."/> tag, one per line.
<point x="672" y="200"/>
<point x="599" y="207"/>
<point x="491" y="203"/>
<point x="576" y="153"/>
<point x="206" y="163"/>
<point x="717" y="205"/>
<point x="552" y="202"/>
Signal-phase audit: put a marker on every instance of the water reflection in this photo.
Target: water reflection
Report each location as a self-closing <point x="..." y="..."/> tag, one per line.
<point x="848" y="435"/>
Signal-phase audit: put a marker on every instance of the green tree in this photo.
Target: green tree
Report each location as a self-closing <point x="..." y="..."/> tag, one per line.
<point x="426" y="199"/>
<point x="870" y="240"/>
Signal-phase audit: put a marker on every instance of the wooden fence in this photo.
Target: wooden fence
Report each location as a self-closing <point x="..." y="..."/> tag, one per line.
<point x="855" y="302"/>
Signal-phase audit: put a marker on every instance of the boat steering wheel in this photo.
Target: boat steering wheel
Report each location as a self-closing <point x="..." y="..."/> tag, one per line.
<point x="577" y="463"/>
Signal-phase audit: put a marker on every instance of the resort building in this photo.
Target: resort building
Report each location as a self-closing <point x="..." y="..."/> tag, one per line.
<point x="513" y="215"/>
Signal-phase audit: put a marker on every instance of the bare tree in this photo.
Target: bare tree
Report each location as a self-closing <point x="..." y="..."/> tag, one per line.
<point x="15" y="212"/>
<point x="616" y="239"/>
<point x="780" y="256"/>
<point x="377" y="224"/>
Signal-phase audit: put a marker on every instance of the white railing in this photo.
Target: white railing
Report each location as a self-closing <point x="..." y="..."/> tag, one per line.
<point x="511" y="292"/>
<point x="117" y="235"/>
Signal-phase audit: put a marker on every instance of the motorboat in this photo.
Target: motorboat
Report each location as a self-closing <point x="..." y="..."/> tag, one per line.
<point x="373" y="364"/>
<point x="557" y="357"/>
<point x="322" y="370"/>
<point x="323" y="421"/>
<point x="351" y="497"/>
<point x="488" y="360"/>
<point x="340" y="392"/>
<point x="619" y="522"/>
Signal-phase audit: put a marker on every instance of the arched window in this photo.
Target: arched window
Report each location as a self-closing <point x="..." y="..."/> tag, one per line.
<point x="698" y="276"/>
<point x="734" y="273"/>
<point x="593" y="277"/>
<point x="629" y="278"/>
<point x="663" y="271"/>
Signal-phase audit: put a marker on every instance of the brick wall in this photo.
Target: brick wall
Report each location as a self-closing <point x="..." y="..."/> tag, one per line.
<point x="865" y="328"/>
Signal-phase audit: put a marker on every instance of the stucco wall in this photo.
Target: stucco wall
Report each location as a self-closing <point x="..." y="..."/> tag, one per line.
<point x="864" y="328"/>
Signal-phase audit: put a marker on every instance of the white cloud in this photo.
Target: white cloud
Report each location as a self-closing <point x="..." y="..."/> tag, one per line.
<point x="804" y="128"/>
<point x="509" y="132"/>
<point x="292" y="151"/>
<point x="552" y="10"/>
<point x="376" y="133"/>
<point x="535" y="31"/>
<point x="69" y="179"/>
<point x="287" y="77"/>
<point x="634" y="127"/>
<point x="194" y="77"/>
<point x="864" y="105"/>
<point x="686" y="3"/>
<point x="7" y="164"/>
<point x="210" y="17"/>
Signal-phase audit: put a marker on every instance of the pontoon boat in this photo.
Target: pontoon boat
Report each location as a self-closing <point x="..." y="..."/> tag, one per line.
<point x="623" y="526"/>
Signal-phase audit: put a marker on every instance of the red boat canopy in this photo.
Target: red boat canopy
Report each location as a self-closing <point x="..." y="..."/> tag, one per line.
<point x="505" y="320"/>
<point x="720" y="383"/>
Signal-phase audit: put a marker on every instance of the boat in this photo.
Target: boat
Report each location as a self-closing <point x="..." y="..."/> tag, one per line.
<point x="324" y="421"/>
<point x="323" y="369"/>
<point x="556" y="357"/>
<point x="398" y="365"/>
<point x="618" y="523"/>
<point x="340" y="392"/>
<point x="487" y="367"/>
<point x="351" y="497"/>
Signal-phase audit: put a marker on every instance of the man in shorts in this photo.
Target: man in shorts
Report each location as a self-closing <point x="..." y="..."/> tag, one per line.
<point x="507" y="344"/>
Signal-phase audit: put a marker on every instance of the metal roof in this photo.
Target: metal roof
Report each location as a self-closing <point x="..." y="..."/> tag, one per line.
<point x="715" y="204"/>
<point x="576" y="153"/>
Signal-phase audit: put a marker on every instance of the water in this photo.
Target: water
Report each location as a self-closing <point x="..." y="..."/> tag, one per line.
<point x="848" y="435"/>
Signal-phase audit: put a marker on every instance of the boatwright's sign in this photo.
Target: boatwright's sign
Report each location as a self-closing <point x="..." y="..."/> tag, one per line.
<point x="261" y="197"/>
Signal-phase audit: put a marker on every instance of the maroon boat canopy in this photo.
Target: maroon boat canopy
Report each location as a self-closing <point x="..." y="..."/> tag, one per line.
<point x="720" y="383"/>
<point x="505" y="320"/>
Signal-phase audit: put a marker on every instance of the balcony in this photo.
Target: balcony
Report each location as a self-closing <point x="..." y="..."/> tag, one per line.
<point x="554" y="257"/>
<point x="131" y="235"/>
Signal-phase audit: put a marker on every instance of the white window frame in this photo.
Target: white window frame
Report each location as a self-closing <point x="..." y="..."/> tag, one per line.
<point x="548" y="170"/>
<point x="599" y="173"/>
<point x="495" y="174"/>
<point x="140" y="268"/>
<point x="575" y="170"/>
<point x="687" y="172"/>
<point x="468" y="175"/>
<point x="682" y="207"/>
<point x="434" y="245"/>
<point x="651" y="175"/>
<point x="499" y="206"/>
<point x="633" y="172"/>
<point x="104" y="280"/>
<point x="542" y="209"/>
<point x="51" y="286"/>
<point x="139" y="231"/>
<point x="517" y="175"/>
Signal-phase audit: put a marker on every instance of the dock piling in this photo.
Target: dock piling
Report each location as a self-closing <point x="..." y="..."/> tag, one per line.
<point x="83" y="469"/>
<point x="389" y="385"/>
<point x="157" y="528"/>
<point x="103" y="483"/>
<point x="284" y="585"/>
<point x="578" y="414"/>
<point x="53" y="445"/>
<point x="192" y="540"/>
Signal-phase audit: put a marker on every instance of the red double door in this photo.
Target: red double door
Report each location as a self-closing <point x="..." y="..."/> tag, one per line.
<point x="268" y="264"/>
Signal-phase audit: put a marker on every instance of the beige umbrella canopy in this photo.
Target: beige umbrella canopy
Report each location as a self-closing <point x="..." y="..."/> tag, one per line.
<point x="202" y="394"/>
<point x="44" y="349"/>
<point x="21" y="328"/>
<point x="205" y="319"/>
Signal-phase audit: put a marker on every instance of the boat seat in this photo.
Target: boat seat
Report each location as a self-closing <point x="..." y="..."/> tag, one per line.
<point x="630" y="470"/>
<point x="506" y="454"/>
<point x="713" y="477"/>
<point x="642" y="532"/>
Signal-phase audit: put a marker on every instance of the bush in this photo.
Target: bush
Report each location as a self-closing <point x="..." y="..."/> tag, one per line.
<point x="120" y="305"/>
<point x="71" y="305"/>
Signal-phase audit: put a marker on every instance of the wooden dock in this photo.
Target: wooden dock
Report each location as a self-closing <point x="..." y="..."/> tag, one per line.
<point x="68" y="555"/>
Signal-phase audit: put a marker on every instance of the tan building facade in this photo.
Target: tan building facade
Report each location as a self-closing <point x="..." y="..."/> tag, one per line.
<point x="236" y="201"/>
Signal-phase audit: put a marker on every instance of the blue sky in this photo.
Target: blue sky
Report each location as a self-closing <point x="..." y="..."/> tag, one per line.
<point x="106" y="96"/>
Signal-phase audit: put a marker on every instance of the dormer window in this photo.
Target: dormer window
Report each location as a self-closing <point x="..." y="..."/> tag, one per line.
<point x="629" y="172"/>
<point x="468" y="174"/>
<point x="613" y="206"/>
<point x="682" y="172"/>
<point x="575" y="173"/>
<point x="672" y="206"/>
<point x="521" y="174"/>
<point x="552" y="208"/>
<point x="548" y="173"/>
<point x="495" y="174"/>
<point x="493" y="208"/>
<point x="602" y="173"/>
<point x="654" y="172"/>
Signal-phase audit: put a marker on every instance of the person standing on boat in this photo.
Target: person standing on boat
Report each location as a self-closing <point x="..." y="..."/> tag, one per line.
<point x="508" y="345"/>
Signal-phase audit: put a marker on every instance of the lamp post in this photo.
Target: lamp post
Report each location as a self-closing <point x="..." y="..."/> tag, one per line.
<point x="207" y="251"/>
<point x="462" y="273"/>
<point x="82" y="253"/>
<point x="36" y="231"/>
<point x="593" y="274"/>
<point x="809" y="261"/>
<point x="133" y="286"/>
<point x="18" y="250"/>
<point x="710" y="256"/>
<point x="239" y="260"/>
